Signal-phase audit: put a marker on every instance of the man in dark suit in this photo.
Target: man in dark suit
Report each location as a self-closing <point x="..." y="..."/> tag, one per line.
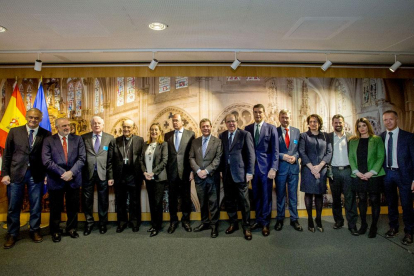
<point x="64" y="156"/>
<point x="95" y="173"/>
<point x="124" y="172"/>
<point x="399" y="168"/>
<point x="205" y="155"/>
<point x="21" y="166"/>
<point x="237" y="166"/>
<point x="288" y="174"/>
<point x="178" y="170"/>
<point x="340" y="178"/>
<point x="266" y="147"/>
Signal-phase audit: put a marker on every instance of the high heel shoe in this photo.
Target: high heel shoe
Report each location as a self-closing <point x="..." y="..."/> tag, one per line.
<point x="319" y="225"/>
<point x="311" y="226"/>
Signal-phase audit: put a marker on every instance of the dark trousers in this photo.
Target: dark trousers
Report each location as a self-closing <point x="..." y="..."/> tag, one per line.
<point x="262" y="197"/>
<point x="122" y="192"/>
<point x="392" y="181"/>
<point x="155" y="195"/>
<point x="56" y="208"/>
<point x="342" y="184"/>
<point x="363" y="206"/>
<point x="15" y="193"/>
<point x="291" y="180"/>
<point x="208" y="192"/>
<point x="235" y="195"/>
<point x="179" y="188"/>
<point x="103" y="199"/>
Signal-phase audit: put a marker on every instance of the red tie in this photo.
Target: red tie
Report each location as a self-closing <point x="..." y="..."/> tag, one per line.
<point x="287" y="140"/>
<point x="65" y="149"/>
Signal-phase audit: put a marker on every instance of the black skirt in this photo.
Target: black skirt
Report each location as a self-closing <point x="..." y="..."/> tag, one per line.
<point x="373" y="185"/>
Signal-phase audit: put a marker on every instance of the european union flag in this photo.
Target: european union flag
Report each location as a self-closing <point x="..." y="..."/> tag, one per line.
<point x="40" y="103"/>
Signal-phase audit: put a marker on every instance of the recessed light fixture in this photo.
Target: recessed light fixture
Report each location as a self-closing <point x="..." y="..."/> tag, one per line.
<point x="157" y="26"/>
<point x="2" y="29"/>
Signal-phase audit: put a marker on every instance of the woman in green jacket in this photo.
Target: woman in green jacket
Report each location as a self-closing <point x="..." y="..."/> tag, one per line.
<point x="366" y="156"/>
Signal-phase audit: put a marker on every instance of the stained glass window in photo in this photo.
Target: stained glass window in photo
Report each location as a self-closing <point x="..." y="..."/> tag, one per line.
<point x="181" y="82"/>
<point x="253" y="79"/>
<point x="71" y="97"/>
<point x="29" y="97"/>
<point x="78" y="99"/>
<point x="120" y="92"/>
<point x="97" y="97"/>
<point x="21" y="89"/>
<point x="130" y="90"/>
<point x="233" y="78"/>
<point x="57" y="98"/>
<point x="164" y="84"/>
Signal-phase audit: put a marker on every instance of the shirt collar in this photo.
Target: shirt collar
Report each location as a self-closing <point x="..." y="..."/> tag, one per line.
<point x="336" y="135"/>
<point x="29" y="129"/>
<point x="61" y="137"/>
<point x="208" y="137"/>
<point x="234" y="133"/>
<point x="181" y="130"/>
<point x="99" y="134"/>
<point x="395" y="131"/>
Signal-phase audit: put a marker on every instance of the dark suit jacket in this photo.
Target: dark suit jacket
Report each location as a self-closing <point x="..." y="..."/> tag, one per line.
<point x="211" y="160"/>
<point x="100" y="157"/>
<point x="267" y="150"/>
<point x="240" y="153"/>
<point x="116" y="158"/>
<point x="54" y="161"/>
<point x="405" y="154"/>
<point x="284" y="166"/>
<point x="17" y="155"/>
<point x="178" y="162"/>
<point x="159" y="161"/>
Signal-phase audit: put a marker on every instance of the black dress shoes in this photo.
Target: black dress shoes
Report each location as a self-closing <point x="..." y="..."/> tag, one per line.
<point x="363" y="229"/>
<point x="372" y="232"/>
<point x="391" y="233"/>
<point x="151" y="229"/>
<point x="407" y="240"/>
<point x="73" y="234"/>
<point x="10" y="242"/>
<point x="154" y="233"/>
<point x="87" y="231"/>
<point x="232" y="228"/>
<point x="265" y="231"/>
<point x="295" y="224"/>
<point x="121" y="228"/>
<point x="187" y="227"/>
<point x="202" y="227"/>
<point x="338" y="225"/>
<point x="255" y="226"/>
<point x="214" y="232"/>
<point x="102" y="229"/>
<point x="56" y="237"/>
<point x="354" y="232"/>
<point x="279" y="225"/>
<point x="172" y="228"/>
<point x="247" y="235"/>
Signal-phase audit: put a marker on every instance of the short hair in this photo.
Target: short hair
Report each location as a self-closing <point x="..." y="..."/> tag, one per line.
<point x="236" y="117"/>
<point x="284" y="111"/>
<point x="317" y="117"/>
<point x="259" y="106"/>
<point x="96" y="117"/>
<point x="365" y="121"/>
<point x="391" y="111"/>
<point x="60" y="119"/>
<point x="35" y="109"/>
<point x="338" y="116"/>
<point x="160" y="138"/>
<point x="205" y="120"/>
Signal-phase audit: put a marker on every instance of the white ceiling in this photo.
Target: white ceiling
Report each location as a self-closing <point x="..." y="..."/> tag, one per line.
<point x="202" y="27"/>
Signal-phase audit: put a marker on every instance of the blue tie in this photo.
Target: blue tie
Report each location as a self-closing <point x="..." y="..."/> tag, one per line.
<point x="177" y="142"/>
<point x="230" y="139"/>
<point x="204" y="148"/>
<point x="31" y="139"/>
<point x="389" y="157"/>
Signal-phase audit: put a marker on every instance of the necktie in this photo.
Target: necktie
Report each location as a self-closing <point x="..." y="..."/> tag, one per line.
<point x="177" y="142"/>
<point x="287" y="139"/>
<point x="31" y="139"/>
<point x="257" y="135"/>
<point x="97" y="144"/>
<point x="65" y="149"/>
<point x="204" y="147"/>
<point x="389" y="157"/>
<point x="230" y="140"/>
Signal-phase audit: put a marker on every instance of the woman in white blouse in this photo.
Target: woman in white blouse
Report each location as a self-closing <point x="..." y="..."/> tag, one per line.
<point x="153" y="164"/>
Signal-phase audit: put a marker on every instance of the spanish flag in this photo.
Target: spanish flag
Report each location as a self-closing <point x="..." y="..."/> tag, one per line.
<point x="14" y="116"/>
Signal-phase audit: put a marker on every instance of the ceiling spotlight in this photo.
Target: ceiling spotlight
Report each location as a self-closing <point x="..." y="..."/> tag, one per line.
<point x="2" y="29"/>
<point x="396" y="65"/>
<point x="38" y="64"/>
<point x="153" y="63"/>
<point x="236" y="62"/>
<point x="157" y="26"/>
<point x="327" y="64"/>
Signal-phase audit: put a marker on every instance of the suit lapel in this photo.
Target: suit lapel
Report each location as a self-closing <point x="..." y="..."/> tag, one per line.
<point x="37" y="139"/>
<point x="120" y="145"/>
<point x="262" y="132"/>
<point x="236" y="136"/>
<point x="183" y="136"/>
<point x="58" y="145"/>
<point x="71" y="146"/>
<point x="104" y="141"/>
<point x="210" y="142"/>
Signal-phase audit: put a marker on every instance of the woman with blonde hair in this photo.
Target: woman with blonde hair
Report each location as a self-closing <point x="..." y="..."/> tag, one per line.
<point x="366" y="157"/>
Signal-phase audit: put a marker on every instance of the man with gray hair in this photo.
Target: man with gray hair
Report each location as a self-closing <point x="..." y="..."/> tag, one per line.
<point x="95" y="173"/>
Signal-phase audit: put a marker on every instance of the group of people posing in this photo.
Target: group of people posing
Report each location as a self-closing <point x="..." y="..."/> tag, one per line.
<point x="362" y="165"/>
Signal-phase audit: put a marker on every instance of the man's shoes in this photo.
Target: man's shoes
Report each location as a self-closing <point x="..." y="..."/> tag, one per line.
<point x="102" y="229"/>
<point x="56" y="237"/>
<point x="248" y="235"/>
<point x="338" y="225"/>
<point x="121" y="228"/>
<point x="255" y="226"/>
<point x="202" y="227"/>
<point x="265" y="231"/>
<point x="295" y="224"/>
<point x="279" y="225"/>
<point x="87" y="231"/>
<point x="363" y="229"/>
<point x="172" y="227"/>
<point x="153" y="233"/>
<point x="232" y="228"/>
<point x="187" y="227"/>
<point x="391" y="233"/>
<point x="135" y="228"/>
<point x="151" y="229"/>
<point x="214" y="232"/>
<point x="73" y="234"/>
<point x="372" y="232"/>
<point x="10" y="242"/>
<point x="36" y="237"/>
<point x="407" y="240"/>
<point x="354" y="231"/>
